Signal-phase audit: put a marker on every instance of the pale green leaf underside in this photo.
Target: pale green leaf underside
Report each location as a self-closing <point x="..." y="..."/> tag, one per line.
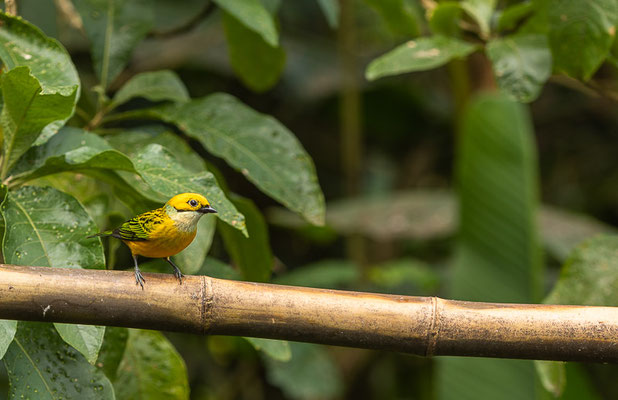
<point x="254" y="16"/>
<point x="86" y="339"/>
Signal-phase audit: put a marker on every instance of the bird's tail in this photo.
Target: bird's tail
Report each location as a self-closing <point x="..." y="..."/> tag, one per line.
<point x="101" y="234"/>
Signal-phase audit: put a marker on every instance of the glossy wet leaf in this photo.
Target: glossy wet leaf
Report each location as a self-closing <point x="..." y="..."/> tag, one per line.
<point x="154" y="86"/>
<point x="326" y="274"/>
<point x="581" y="34"/>
<point x="257" y="63"/>
<point x="297" y="378"/>
<point x="276" y="349"/>
<point x="114" y="28"/>
<point x="418" y="55"/>
<point x="257" y="145"/>
<point x="481" y="11"/>
<point x="330" y="9"/>
<point x="7" y="332"/>
<point x="398" y="15"/>
<point x="253" y="15"/>
<point x="27" y="110"/>
<point x="41" y="366"/>
<point x="521" y="64"/>
<point x="165" y="175"/>
<point x="252" y="255"/>
<point x="86" y="339"/>
<point x="151" y="369"/>
<point x="71" y="149"/>
<point x="23" y="44"/>
<point x="112" y="350"/>
<point x="48" y="228"/>
<point x="498" y="255"/>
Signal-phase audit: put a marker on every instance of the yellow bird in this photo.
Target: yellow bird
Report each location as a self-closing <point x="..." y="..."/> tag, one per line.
<point x="163" y="232"/>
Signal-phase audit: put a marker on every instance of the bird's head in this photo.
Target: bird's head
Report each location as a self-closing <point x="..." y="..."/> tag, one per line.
<point x="186" y="209"/>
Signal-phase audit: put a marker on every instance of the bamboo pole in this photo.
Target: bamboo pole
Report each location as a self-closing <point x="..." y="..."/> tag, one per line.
<point x="425" y="326"/>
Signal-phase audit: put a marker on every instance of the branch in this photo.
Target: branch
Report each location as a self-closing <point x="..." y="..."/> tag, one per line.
<point x="425" y="326"/>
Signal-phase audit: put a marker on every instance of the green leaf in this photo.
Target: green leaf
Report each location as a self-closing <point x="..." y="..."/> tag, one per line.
<point x="481" y="11"/>
<point x="581" y="34"/>
<point x="112" y="350"/>
<point x="23" y="44"/>
<point x="276" y="349"/>
<point x="27" y="110"/>
<point x="254" y="16"/>
<point x="328" y="274"/>
<point x="86" y="339"/>
<point x="164" y="174"/>
<point x="297" y="378"/>
<point x="405" y="275"/>
<point x="259" y="146"/>
<point x="521" y="63"/>
<point x="41" y="366"/>
<point x="7" y="332"/>
<point x="498" y="253"/>
<point x="512" y="15"/>
<point x="114" y="28"/>
<point x="445" y="18"/>
<point x="258" y="64"/>
<point x="399" y="16"/>
<point x="218" y="269"/>
<point x="48" y="228"/>
<point x="151" y="369"/>
<point x="154" y="86"/>
<point x="330" y="9"/>
<point x="252" y="255"/>
<point x="71" y="149"/>
<point x="418" y="55"/>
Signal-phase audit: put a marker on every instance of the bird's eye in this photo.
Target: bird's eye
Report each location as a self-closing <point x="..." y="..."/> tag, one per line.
<point x="193" y="203"/>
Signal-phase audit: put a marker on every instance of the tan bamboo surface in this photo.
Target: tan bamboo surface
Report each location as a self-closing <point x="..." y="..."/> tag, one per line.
<point x="425" y="326"/>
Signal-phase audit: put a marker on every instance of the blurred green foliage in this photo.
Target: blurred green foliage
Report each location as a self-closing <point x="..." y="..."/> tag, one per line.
<point x="109" y="108"/>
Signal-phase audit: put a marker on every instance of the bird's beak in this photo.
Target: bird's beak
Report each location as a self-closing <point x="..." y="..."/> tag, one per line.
<point x="207" y="210"/>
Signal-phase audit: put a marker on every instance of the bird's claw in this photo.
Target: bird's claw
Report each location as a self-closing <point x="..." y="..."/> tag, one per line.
<point x="139" y="278"/>
<point x="178" y="275"/>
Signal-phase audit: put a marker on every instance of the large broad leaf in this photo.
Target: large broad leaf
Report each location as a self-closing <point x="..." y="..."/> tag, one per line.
<point x="522" y="64"/>
<point x="589" y="277"/>
<point x="251" y="254"/>
<point x="498" y="253"/>
<point x="481" y="11"/>
<point x="276" y="349"/>
<point x="7" y="332"/>
<point x="191" y="259"/>
<point x="114" y="28"/>
<point x="310" y="363"/>
<point x="151" y="369"/>
<point x="259" y="146"/>
<point x="258" y="64"/>
<point x="254" y="16"/>
<point x="72" y="149"/>
<point x="41" y="366"/>
<point x="418" y="55"/>
<point x="399" y="16"/>
<point x="87" y="339"/>
<point x="48" y="228"/>
<point x="23" y="44"/>
<point x="581" y="34"/>
<point x="112" y="350"/>
<point x="27" y="110"/>
<point x="154" y="86"/>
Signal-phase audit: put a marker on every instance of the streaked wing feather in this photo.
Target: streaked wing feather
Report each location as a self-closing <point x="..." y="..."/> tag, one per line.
<point x="140" y="227"/>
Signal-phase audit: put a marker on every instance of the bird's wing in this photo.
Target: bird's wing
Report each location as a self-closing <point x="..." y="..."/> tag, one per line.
<point x="140" y="227"/>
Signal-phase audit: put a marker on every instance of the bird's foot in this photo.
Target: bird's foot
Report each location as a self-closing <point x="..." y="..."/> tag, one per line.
<point x="178" y="275"/>
<point x="139" y="278"/>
